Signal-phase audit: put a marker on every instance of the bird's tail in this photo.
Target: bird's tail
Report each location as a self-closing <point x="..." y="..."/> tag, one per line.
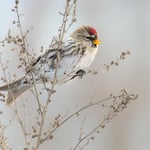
<point x="15" y="89"/>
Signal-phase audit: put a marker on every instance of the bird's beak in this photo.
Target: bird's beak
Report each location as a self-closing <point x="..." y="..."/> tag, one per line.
<point x="96" y="42"/>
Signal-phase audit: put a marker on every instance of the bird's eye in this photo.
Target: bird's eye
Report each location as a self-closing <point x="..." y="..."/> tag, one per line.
<point x="90" y="38"/>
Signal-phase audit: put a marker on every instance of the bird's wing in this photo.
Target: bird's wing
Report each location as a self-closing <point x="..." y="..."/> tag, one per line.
<point x="49" y="54"/>
<point x="51" y="57"/>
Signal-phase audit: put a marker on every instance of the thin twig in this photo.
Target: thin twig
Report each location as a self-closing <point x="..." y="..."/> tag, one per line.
<point x="76" y="113"/>
<point x="62" y="31"/>
<point x="24" y="47"/>
<point x="116" y="108"/>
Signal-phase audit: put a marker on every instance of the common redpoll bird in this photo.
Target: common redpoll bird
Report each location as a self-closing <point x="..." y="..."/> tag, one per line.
<point x="62" y="63"/>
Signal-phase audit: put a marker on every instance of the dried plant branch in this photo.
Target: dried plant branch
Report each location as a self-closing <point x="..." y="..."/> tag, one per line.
<point x="66" y="22"/>
<point x="14" y="110"/>
<point x="123" y="55"/>
<point x="62" y="31"/>
<point x="124" y="98"/>
<point x="2" y="141"/>
<point x="21" y="122"/>
<point x="117" y="106"/>
<point x="25" y="51"/>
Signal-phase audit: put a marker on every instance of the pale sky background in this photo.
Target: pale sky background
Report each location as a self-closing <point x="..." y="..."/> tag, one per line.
<point x="122" y="25"/>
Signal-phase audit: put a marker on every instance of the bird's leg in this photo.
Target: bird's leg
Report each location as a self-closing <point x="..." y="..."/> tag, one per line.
<point x="79" y="73"/>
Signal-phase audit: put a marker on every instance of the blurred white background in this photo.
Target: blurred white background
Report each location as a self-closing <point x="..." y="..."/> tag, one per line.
<point x="122" y="25"/>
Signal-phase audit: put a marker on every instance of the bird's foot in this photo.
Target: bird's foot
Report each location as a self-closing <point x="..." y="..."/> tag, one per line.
<point x="80" y="73"/>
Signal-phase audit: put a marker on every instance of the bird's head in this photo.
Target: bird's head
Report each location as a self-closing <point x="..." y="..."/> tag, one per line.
<point x="86" y="35"/>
